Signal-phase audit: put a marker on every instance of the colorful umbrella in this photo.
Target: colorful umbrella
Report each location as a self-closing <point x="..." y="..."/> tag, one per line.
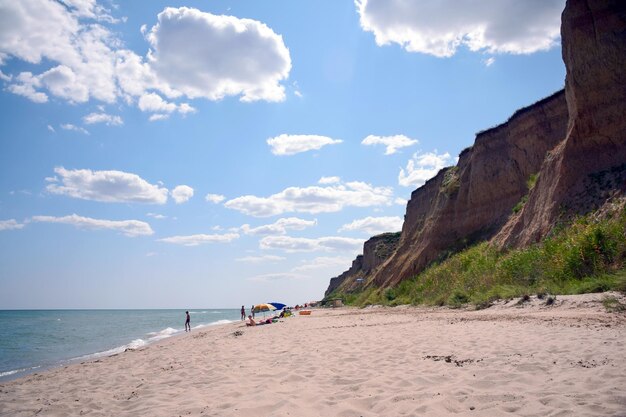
<point x="278" y="306"/>
<point x="263" y="307"/>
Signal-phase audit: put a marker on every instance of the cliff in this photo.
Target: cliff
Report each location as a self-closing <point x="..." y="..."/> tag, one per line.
<point x="588" y="168"/>
<point x="471" y="201"/>
<point x="573" y="142"/>
<point x="375" y="251"/>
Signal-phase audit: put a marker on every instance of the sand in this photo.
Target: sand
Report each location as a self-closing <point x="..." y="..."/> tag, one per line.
<point x="568" y="359"/>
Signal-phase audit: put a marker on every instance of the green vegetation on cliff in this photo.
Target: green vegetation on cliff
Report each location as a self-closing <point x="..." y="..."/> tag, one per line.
<point x="585" y="256"/>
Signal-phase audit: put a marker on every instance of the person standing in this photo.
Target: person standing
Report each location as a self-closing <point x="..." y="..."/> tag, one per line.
<point x="252" y="311"/>
<point x="243" y="313"/>
<point x="187" y="322"/>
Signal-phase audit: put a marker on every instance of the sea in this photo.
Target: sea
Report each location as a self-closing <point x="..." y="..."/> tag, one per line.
<point x="35" y="340"/>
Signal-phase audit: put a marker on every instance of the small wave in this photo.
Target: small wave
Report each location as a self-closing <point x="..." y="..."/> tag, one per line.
<point x="198" y="312"/>
<point x="15" y="371"/>
<point x="135" y="344"/>
<point x="165" y="333"/>
<point x="215" y="323"/>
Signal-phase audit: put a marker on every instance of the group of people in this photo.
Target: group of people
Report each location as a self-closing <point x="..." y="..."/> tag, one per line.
<point x="252" y="322"/>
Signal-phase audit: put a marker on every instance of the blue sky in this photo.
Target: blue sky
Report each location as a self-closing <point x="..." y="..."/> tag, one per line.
<point x="217" y="153"/>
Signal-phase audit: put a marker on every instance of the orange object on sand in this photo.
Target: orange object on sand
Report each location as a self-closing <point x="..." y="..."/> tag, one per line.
<point x="305" y="312"/>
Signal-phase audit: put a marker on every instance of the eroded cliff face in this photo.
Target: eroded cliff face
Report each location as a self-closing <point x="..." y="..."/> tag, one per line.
<point x="588" y="168"/>
<point x="574" y="141"/>
<point x="375" y="251"/>
<point x="470" y="202"/>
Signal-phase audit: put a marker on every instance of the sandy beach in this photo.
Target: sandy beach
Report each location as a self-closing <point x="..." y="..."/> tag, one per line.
<point x="568" y="359"/>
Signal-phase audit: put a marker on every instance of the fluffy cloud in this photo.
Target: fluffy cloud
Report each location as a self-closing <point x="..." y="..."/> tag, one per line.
<point x="152" y="102"/>
<point x="106" y="186"/>
<point x="313" y="199"/>
<point x="10" y="224"/>
<point x="26" y="85"/>
<point x="131" y="228"/>
<point x="423" y="167"/>
<point x="195" y="240"/>
<point x="329" y="180"/>
<point x="401" y="201"/>
<point x="293" y="144"/>
<point x="259" y="259"/>
<point x="393" y="143"/>
<point x="440" y="28"/>
<point x="215" y="198"/>
<point x="182" y="194"/>
<point x="303" y="244"/>
<point x="374" y="225"/>
<point x="235" y="57"/>
<point x="82" y="58"/>
<point x="107" y="119"/>
<point x="279" y="227"/>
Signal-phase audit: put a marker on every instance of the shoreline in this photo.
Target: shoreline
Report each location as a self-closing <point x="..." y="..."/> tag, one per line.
<point x="133" y="341"/>
<point x="528" y="359"/>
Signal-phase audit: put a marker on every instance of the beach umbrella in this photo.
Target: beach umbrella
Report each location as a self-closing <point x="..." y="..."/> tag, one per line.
<point x="278" y="306"/>
<point x="263" y="307"/>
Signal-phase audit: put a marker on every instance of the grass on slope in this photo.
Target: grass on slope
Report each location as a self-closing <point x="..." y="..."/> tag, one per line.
<point x="586" y="256"/>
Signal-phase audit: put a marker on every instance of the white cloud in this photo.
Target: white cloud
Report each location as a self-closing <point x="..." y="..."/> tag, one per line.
<point x="329" y="180"/>
<point x="313" y="199"/>
<point x="10" y="224"/>
<point x="279" y="227"/>
<point x="156" y="216"/>
<point x="106" y="186"/>
<point x="440" y="28"/>
<point x="131" y="228"/>
<point x="489" y="61"/>
<point x="393" y="143"/>
<point x="215" y="198"/>
<point x="400" y="201"/>
<point x="260" y="259"/>
<point x="3" y="76"/>
<point x="69" y="126"/>
<point x="26" y="86"/>
<point x="324" y="262"/>
<point x="182" y="193"/>
<point x="82" y="58"/>
<point x="155" y="117"/>
<point x="423" y="167"/>
<point x="50" y="128"/>
<point x="235" y="57"/>
<point x="108" y="119"/>
<point x="303" y="244"/>
<point x="195" y="240"/>
<point x="152" y="102"/>
<point x="293" y="144"/>
<point x="374" y="225"/>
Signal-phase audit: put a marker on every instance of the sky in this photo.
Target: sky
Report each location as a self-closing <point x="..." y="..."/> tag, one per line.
<point x="209" y="154"/>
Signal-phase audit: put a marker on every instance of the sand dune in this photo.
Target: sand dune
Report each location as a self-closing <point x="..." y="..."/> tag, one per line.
<point x="568" y="359"/>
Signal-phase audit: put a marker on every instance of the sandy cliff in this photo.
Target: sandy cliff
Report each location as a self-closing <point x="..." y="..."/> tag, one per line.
<point x="470" y="202"/>
<point x="375" y="251"/>
<point x="588" y="168"/>
<point x="574" y="142"/>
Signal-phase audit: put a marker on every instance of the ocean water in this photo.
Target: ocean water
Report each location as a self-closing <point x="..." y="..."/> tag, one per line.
<point x="34" y="340"/>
